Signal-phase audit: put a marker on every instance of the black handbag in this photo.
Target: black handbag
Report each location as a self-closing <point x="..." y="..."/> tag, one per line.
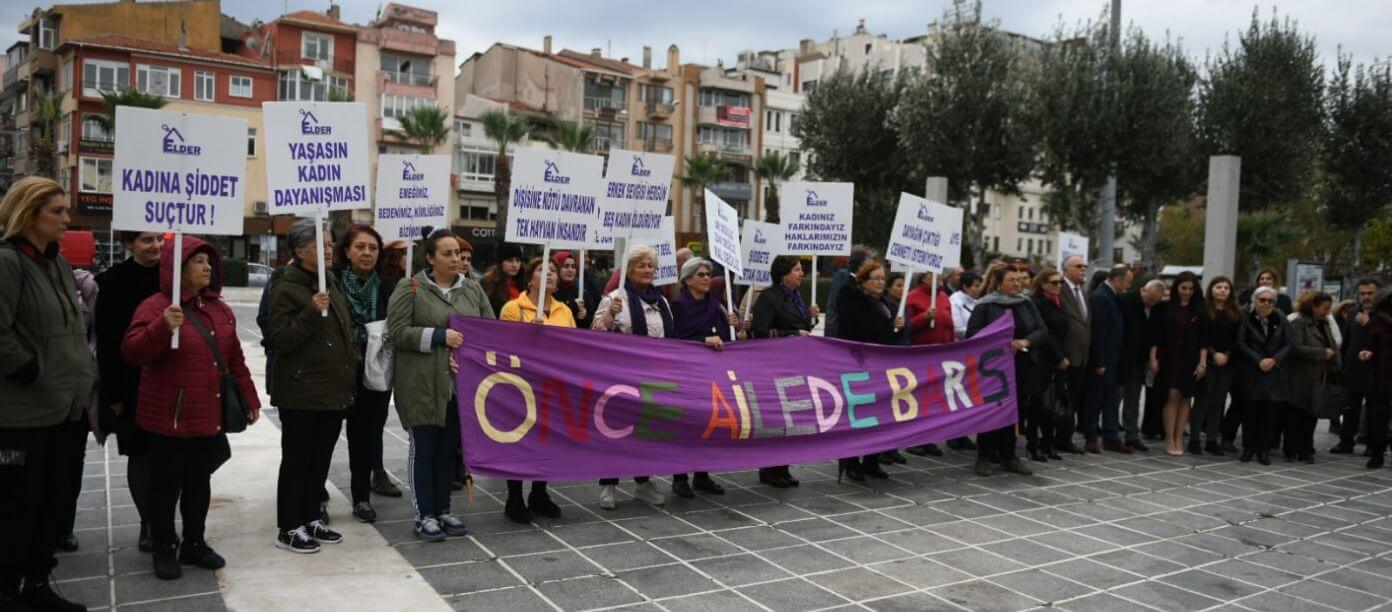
<point x="1327" y="399"/>
<point x="235" y="414"/>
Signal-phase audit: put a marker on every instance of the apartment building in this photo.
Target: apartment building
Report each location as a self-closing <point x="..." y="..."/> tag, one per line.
<point x="727" y="120"/>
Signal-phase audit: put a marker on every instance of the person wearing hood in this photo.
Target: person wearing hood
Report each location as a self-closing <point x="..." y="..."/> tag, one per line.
<point x="418" y="322"/>
<point x="1005" y="298"/>
<point x="639" y="309"/>
<point x="180" y="398"/>
<point x="863" y="317"/>
<point x="568" y="288"/>
<point x="46" y="378"/>
<point x="504" y="282"/>
<point x="699" y="317"/>
<point x="121" y="289"/>
<point x="316" y="370"/>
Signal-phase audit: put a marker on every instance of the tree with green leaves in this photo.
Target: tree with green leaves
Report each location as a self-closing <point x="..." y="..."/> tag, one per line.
<point x="125" y="97"/>
<point x="1355" y="156"/>
<point x="774" y="168"/>
<point x="47" y="111"/>
<point x="1076" y="122"/>
<point x="1261" y="235"/>
<point x="971" y="118"/>
<point x="572" y="136"/>
<point x="424" y="126"/>
<point x="700" y="171"/>
<point x="846" y="131"/>
<point x="1262" y="102"/>
<point x="504" y="130"/>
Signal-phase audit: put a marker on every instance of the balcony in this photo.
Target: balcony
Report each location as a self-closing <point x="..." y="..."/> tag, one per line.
<point x="11" y="76"/>
<point x="658" y="110"/>
<point x="727" y="116"/>
<point x="604" y="107"/>
<point x="394" y="39"/>
<point x="654" y="145"/>
<point x="730" y="190"/>
<point x="409" y="78"/>
<point x="407" y="84"/>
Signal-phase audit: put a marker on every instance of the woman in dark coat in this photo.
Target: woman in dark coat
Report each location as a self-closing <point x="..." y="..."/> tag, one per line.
<point x="1221" y="320"/>
<point x="1373" y="350"/>
<point x="1181" y="357"/>
<point x="1315" y="359"/>
<point x="1039" y="421"/>
<point x="121" y="288"/>
<point x="1264" y="344"/>
<point x="862" y="316"/>
<point x="1004" y="284"/>
<point x="779" y="312"/>
<point x="503" y="282"/>
<point x="698" y="316"/>
<point x="568" y="289"/>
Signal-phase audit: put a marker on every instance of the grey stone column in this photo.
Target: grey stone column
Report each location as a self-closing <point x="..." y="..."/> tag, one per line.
<point x="1221" y="216"/>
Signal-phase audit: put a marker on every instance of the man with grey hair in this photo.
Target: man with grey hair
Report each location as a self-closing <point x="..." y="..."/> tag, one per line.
<point x="1075" y="301"/>
<point x="1136" y="346"/>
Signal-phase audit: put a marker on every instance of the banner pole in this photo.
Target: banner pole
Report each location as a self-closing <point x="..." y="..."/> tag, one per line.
<point x="730" y="303"/>
<point x="933" y="298"/>
<point x="814" y="275"/>
<point x="904" y="295"/>
<point x="621" y="259"/>
<point x="319" y="252"/>
<point x="542" y="282"/>
<point x="409" y="244"/>
<point x="580" y="277"/>
<point x="178" y="284"/>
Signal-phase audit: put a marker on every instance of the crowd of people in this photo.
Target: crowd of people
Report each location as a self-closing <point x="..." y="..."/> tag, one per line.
<point x="1170" y="363"/>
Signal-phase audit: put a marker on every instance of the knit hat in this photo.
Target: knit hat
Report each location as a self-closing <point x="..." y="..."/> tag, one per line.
<point x="690" y="268"/>
<point x="508" y="250"/>
<point x="559" y="258"/>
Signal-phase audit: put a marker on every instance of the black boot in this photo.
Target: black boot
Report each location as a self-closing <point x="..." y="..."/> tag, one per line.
<point x="382" y="484"/>
<point x="538" y="502"/>
<point x="516" y="510"/>
<point x="871" y="467"/>
<point x="851" y="468"/>
<point x="167" y="561"/>
<point x="38" y="594"/>
<point x="197" y="552"/>
<point x="1212" y="447"/>
<point x="683" y="489"/>
<point x="706" y="485"/>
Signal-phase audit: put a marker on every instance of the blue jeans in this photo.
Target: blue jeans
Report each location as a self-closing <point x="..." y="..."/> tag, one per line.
<point x="1101" y="398"/>
<point x="432" y="455"/>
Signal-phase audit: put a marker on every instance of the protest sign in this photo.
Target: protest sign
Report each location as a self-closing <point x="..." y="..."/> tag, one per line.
<point x="554" y="196"/>
<point x="1069" y="246"/>
<point x="926" y="236"/>
<point x="760" y="242"/>
<point x="548" y="403"/>
<point x="316" y="156"/>
<point x="723" y="233"/>
<point x="816" y="217"/>
<point x="413" y="191"/>
<point x="635" y="196"/>
<point x="662" y="239"/>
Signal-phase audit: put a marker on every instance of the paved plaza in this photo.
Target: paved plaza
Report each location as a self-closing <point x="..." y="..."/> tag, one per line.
<point x="1096" y="532"/>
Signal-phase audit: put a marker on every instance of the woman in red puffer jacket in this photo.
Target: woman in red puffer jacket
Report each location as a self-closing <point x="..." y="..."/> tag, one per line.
<point x="180" y="398"/>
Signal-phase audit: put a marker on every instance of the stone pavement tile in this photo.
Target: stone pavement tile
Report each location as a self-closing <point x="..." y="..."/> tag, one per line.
<point x="1141" y="564"/>
<point x="866" y="549"/>
<point x="817" y="529"/>
<point x="793" y="595"/>
<point x="1026" y="551"/>
<point x="920" y="572"/>
<point x="1222" y="588"/>
<point x="1360" y="581"/>
<point x="871" y="522"/>
<point x="1057" y="517"/>
<point x="1376" y="566"/>
<point x="1091" y="573"/>
<point x="823" y="505"/>
<point x="1164" y="597"/>
<point x="1321" y="552"/>
<point x="858" y="584"/>
<point x="553" y="566"/>
<point x="758" y="538"/>
<point x="666" y="581"/>
<point x="82" y="565"/>
<point x="966" y="508"/>
<point x="919" y="541"/>
<point x="717" y="601"/>
<point x="773" y="513"/>
<point x="1290" y="562"/>
<point x="520" y="543"/>
<point x="1041" y="586"/>
<point x="1352" y="543"/>
<point x="143" y="587"/>
<point x="921" y="515"/>
<point x="1072" y="542"/>
<point x="1154" y="527"/>
<point x="975" y="562"/>
<point x="1135" y="506"/>
<point x="1191" y="521"/>
<point x="587" y="593"/>
<point x="620" y="557"/>
<point x="1043" y="498"/>
<point x="969" y="532"/>
<point x="1179" y="553"/>
<point x="131" y="561"/>
<point x="1101" y="602"/>
<point x="591" y="534"/>
<point x="1251" y="536"/>
<point x="718" y="519"/>
<point x="805" y="559"/>
<point x="875" y="500"/>
<point x="1212" y="542"/>
<point x="1113" y="534"/>
<point x="695" y="546"/>
<point x="1015" y="502"/>
<point x="1098" y="511"/>
<point x="211" y="602"/>
<point x="1325" y="592"/>
<point x="740" y="570"/>
<point x="467" y="577"/>
<point x="1015" y="525"/>
<point x="1280" y="525"/>
<point x="659" y="526"/>
<point x="982" y="596"/>
<point x="513" y="599"/>
<point x="912" y="602"/>
<point x="1275" y="600"/>
<point x="92" y="592"/>
<point x="453" y="550"/>
<point x="1250" y="572"/>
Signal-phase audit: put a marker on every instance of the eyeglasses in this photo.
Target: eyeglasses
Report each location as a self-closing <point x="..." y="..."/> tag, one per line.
<point x="876" y="278"/>
<point x="1265" y="300"/>
<point x="703" y="275"/>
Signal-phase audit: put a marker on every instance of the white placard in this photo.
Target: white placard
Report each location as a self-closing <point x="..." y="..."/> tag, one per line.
<point x="663" y="239"/>
<point x="413" y="191"/>
<point x="635" y="195"/>
<point x="174" y="172"/>
<point x="554" y="198"/>
<point x="723" y="233"/>
<point x="816" y="217"/>
<point x="927" y="236"/>
<point x="1069" y="246"/>
<point x="760" y="242"/>
<point x="316" y="156"/>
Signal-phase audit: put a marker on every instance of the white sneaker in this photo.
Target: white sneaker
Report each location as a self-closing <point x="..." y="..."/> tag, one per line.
<point x="648" y="493"/>
<point x="607" y="496"/>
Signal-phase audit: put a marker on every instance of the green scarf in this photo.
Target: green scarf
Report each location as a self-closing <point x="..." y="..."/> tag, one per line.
<point x="362" y="301"/>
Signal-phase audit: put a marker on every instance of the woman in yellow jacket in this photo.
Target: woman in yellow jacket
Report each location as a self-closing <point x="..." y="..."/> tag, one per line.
<point x="523" y="309"/>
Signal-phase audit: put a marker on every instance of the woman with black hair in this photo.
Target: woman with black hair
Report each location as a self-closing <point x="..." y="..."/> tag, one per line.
<point x="1179" y="358"/>
<point x="780" y="312"/>
<point x="1221" y="321"/>
<point x="864" y="317"/>
<point x="504" y="281"/>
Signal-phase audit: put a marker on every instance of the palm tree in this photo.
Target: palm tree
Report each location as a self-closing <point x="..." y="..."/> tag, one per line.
<point x="774" y="168"/>
<point x="424" y="126"/>
<point x="703" y="169"/>
<point x="125" y="97"/>
<point x="48" y="109"/>
<point x="503" y="129"/>
<point x="573" y="137"/>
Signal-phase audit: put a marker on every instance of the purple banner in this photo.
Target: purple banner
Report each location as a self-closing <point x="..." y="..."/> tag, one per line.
<point x="548" y="403"/>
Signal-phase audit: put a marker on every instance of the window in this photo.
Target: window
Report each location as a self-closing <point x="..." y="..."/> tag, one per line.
<point x="735" y="141"/>
<point x="1020" y="213"/>
<point x="654" y="94"/>
<point x="475" y="165"/>
<point x="203" y="86"/>
<point x="397" y="106"/>
<point x="1018" y="244"/>
<point x="99" y="77"/>
<point x="293" y="85"/>
<point x="793" y="122"/>
<point x="65" y="130"/>
<point x="604" y="95"/>
<point x="1030" y="214"/>
<point x="48" y="35"/>
<point x="463" y="129"/>
<point x="96" y="175"/>
<point x="239" y="86"/>
<point x="608" y="135"/>
<point x="317" y="46"/>
<point x="66" y="82"/>
<point x="655" y="136"/>
<point x="251" y="142"/>
<point x="157" y="80"/>
<point x="809" y="86"/>
<point x="23" y="99"/>
<point x="1030" y="246"/>
<point x="91" y="130"/>
<point x="996" y="243"/>
<point x="405" y="69"/>
<point x="712" y="97"/>
<point x="1046" y="250"/>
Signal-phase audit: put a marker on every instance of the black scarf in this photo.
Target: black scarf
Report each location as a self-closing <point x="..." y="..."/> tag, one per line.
<point x="652" y="297"/>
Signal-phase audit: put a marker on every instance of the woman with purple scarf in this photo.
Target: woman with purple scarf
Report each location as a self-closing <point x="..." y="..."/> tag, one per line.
<point x="637" y="308"/>
<point x="778" y="313"/>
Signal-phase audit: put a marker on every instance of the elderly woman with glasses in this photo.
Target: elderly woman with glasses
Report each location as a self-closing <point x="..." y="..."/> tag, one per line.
<point x="1264" y="344"/>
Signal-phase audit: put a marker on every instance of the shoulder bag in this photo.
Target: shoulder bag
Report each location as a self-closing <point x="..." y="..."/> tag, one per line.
<point x="235" y="415"/>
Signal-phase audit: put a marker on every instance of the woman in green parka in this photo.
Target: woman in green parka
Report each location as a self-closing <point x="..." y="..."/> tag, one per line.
<point x="418" y="320"/>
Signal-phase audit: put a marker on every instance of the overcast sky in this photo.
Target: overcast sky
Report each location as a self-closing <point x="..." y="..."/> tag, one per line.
<point x="718" y="29"/>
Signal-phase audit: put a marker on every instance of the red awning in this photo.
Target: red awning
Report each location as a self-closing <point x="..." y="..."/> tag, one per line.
<point x="79" y="248"/>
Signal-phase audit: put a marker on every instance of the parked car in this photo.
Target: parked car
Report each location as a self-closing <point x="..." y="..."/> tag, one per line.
<point x="258" y="275"/>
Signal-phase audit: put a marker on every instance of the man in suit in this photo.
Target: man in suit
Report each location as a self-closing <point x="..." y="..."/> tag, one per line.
<point x="1104" y="362"/>
<point x="1075" y="351"/>
<point x="1136" y="350"/>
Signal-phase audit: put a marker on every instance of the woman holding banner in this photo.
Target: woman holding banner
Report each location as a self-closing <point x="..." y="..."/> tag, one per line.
<point x="1004" y="298"/>
<point x="779" y="312"/>
<point x="181" y="409"/>
<point x="700" y="317"/>
<point x="523" y="310"/>
<point x="504" y="281"/>
<point x="638" y="308"/>
<point x="418" y="322"/>
<point x="864" y="317"/>
<point x="1039" y="421"/>
<point x="358" y="268"/>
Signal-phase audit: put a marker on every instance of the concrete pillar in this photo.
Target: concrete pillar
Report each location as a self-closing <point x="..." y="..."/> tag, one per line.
<point x="1221" y="216"/>
<point x="936" y="189"/>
